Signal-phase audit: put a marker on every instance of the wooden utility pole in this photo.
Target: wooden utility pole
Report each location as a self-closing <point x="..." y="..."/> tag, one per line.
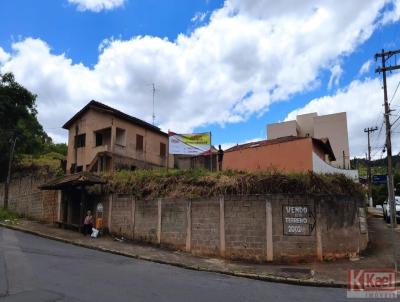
<point x="369" y="176"/>
<point x="384" y="57"/>
<point x="8" y="180"/>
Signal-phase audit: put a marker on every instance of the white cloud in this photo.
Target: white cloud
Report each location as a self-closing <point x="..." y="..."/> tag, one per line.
<point x="336" y="73"/>
<point x="365" y="68"/>
<point x="363" y="103"/>
<point x="199" y="17"/>
<point x="3" y="56"/>
<point x="250" y="54"/>
<point x="96" y="5"/>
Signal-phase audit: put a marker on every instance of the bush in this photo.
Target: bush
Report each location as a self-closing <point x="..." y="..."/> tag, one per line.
<point x="7" y="216"/>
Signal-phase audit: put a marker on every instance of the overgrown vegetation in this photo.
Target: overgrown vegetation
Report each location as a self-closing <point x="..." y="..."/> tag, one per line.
<point x="48" y="163"/>
<point x="196" y="183"/>
<point x="8" y="216"/>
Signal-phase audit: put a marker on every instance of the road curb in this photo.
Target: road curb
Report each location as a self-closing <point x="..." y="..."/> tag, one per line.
<point x="268" y="278"/>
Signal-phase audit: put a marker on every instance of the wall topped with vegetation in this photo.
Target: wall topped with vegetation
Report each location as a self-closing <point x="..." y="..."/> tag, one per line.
<point x="201" y="183"/>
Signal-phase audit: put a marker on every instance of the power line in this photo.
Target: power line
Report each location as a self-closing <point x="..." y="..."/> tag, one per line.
<point x="394" y="94"/>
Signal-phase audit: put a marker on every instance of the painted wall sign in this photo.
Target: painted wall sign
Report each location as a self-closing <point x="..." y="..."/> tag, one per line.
<point x="297" y="220"/>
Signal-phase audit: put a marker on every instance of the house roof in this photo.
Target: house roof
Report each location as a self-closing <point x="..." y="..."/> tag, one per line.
<point x="73" y="180"/>
<point x="107" y="109"/>
<point x="322" y="143"/>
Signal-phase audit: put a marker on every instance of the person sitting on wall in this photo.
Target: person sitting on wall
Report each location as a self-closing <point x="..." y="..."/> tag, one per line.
<point x="88" y="224"/>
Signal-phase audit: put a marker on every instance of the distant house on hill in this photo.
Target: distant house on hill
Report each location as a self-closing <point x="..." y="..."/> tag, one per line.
<point x="102" y="138"/>
<point x="290" y="154"/>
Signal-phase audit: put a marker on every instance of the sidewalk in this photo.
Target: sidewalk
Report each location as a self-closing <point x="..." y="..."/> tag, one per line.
<point x="332" y="274"/>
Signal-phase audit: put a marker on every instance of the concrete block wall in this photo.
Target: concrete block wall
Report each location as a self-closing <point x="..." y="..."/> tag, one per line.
<point x="146" y="220"/>
<point x="245" y="228"/>
<point x="26" y="199"/>
<point x="234" y="227"/>
<point x="347" y="227"/>
<point x="205" y="227"/>
<point x="242" y="227"/>
<point x="290" y="247"/>
<point x="121" y="215"/>
<point x="174" y="223"/>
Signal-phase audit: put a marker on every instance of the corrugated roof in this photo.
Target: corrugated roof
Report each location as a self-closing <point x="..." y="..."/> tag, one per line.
<point x="104" y="108"/>
<point x="73" y="180"/>
<point x="266" y="142"/>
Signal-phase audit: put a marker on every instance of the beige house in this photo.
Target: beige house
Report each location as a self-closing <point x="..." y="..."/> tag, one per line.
<point x="102" y="138"/>
<point x="331" y="126"/>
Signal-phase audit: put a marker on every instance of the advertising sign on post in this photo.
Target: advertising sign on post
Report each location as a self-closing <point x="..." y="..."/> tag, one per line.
<point x="379" y="179"/>
<point x="189" y="144"/>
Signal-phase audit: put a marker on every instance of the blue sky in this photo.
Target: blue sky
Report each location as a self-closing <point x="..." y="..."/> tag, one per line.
<point x="215" y="65"/>
<point x="78" y="34"/>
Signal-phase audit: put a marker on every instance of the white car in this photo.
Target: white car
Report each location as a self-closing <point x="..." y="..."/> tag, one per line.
<point x="386" y="209"/>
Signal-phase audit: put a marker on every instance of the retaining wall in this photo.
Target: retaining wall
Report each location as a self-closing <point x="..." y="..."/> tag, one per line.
<point x="27" y="200"/>
<point x="253" y="227"/>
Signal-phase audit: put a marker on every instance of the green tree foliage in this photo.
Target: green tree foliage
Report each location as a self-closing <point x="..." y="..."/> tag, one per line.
<point x="18" y="119"/>
<point x="379" y="167"/>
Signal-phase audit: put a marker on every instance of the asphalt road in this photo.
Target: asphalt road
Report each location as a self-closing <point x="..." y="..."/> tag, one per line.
<point x="38" y="269"/>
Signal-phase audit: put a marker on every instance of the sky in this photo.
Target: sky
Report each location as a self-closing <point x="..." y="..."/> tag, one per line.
<point x="230" y="67"/>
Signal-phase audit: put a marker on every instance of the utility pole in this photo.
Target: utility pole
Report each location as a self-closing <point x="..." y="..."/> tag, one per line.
<point x="368" y="131"/>
<point x="8" y="180"/>
<point x="384" y="57"/>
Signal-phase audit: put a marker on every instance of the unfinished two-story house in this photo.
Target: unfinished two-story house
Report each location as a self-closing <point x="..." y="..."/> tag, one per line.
<point x="102" y="138"/>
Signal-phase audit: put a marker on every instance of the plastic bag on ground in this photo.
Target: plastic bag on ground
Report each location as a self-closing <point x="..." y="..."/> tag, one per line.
<point x="95" y="233"/>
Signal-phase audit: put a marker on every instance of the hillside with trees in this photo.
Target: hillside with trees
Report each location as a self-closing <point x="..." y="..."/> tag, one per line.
<point x="379" y="167"/>
<point x="20" y="127"/>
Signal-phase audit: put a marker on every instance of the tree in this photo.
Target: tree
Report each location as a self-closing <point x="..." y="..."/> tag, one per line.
<point x="18" y="120"/>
